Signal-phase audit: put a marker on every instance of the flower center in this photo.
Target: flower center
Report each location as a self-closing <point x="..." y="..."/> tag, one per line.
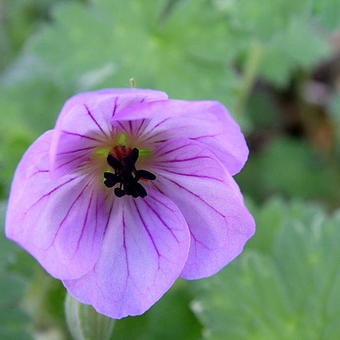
<point x="125" y="173"/>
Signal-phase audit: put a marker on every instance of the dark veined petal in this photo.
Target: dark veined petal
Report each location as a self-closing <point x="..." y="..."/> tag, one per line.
<point x="85" y="123"/>
<point x="60" y="222"/>
<point x="210" y="201"/>
<point x="145" y="249"/>
<point x="207" y="122"/>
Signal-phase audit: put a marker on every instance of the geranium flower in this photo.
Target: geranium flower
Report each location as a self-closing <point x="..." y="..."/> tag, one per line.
<point x="128" y="192"/>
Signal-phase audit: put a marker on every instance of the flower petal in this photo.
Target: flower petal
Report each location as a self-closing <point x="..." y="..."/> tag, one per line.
<point x="60" y="222"/>
<point x="144" y="251"/>
<point x="210" y="201"/>
<point x="85" y="123"/>
<point x="207" y="122"/>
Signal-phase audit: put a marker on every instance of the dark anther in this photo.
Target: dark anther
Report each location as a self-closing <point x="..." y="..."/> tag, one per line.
<point x="145" y="175"/>
<point x="139" y="190"/>
<point x="119" y="192"/>
<point x="131" y="160"/>
<point x="126" y="175"/>
<point x="111" y="179"/>
<point x="134" y="155"/>
<point x="110" y="176"/>
<point x="113" y="162"/>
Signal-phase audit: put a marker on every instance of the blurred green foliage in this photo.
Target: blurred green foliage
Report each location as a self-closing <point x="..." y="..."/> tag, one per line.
<point x="289" y="290"/>
<point x="13" y="320"/>
<point x="293" y="169"/>
<point x="260" y="59"/>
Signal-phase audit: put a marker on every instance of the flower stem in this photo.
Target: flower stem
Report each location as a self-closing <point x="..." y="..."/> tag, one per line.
<point x="85" y="323"/>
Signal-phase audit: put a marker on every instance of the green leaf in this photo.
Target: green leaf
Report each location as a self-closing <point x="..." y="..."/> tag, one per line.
<point x="40" y="101"/>
<point x="327" y="14"/>
<point x="31" y="104"/>
<point x="296" y="47"/>
<point x="306" y="174"/>
<point x="14" y="325"/>
<point x="14" y="142"/>
<point x="7" y="248"/>
<point x="182" y="51"/>
<point x="290" y="291"/>
<point x="13" y="320"/>
<point x="287" y="30"/>
<point x="335" y="112"/>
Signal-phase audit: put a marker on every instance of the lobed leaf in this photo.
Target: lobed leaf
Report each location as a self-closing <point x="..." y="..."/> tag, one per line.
<point x="287" y="292"/>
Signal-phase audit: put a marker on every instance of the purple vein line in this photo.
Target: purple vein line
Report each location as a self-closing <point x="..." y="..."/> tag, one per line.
<point x="160" y="202"/>
<point x="184" y="159"/>
<point x="122" y="126"/>
<point x="161" y="219"/>
<point x="130" y="126"/>
<point x="198" y="241"/>
<point x="157" y="125"/>
<point x="152" y="136"/>
<point x="206" y="136"/>
<point x="195" y="195"/>
<point x="138" y="131"/>
<point x="115" y="106"/>
<point x="125" y="247"/>
<point x="147" y="231"/>
<point x="94" y="120"/>
<point x="75" y="150"/>
<point x="67" y="214"/>
<point x="193" y="175"/>
<point x="84" y="224"/>
<point x="71" y="161"/>
<point x="149" y="135"/>
<point x="173" y="150"/>
<point x="80" y="135"/>
<point x="108" y="219"/>
<point x="49" y="193"/>
<point x="39" y="171"/>
<point x="96" y="223"/>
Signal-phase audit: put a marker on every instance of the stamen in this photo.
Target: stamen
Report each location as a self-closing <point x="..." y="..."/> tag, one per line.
<point x="130" y="160"/>
<point x="109" y="184"/>
<point x="111" y="179"/>
<point x="126" y="174"/>
<point x="134" y="155"/>
<point x="145" y="175"/>
<point x="113" y="162"/>
<point x="119" y="192"/>
<point x="140" y="191"/>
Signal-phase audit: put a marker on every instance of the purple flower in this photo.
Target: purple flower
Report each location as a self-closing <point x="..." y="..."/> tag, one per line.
<point x="128" y="192"/>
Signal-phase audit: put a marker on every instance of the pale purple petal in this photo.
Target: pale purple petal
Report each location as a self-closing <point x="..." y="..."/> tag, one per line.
<point x="210" y="201"/>
<point x="60" y="222"/>
<point x="85" y="123"/>
<point x="207" y="122"/>
<point x="145" y="249"/>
